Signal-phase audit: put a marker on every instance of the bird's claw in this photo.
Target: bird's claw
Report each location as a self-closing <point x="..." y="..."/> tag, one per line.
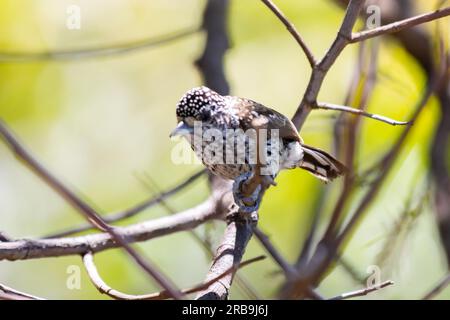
<point x="246" y="204"/>
<point x="243" y="202"/>
<point x="268" y="180"/>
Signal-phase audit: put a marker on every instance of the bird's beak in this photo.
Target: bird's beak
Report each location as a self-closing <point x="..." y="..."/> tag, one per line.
<point x="182" y="129"/>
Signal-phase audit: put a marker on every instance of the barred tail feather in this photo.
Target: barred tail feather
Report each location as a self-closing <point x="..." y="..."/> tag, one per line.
<point x="321" y="164"/>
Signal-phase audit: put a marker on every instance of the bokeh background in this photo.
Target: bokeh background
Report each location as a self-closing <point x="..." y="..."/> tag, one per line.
<point x="102" y="125"/>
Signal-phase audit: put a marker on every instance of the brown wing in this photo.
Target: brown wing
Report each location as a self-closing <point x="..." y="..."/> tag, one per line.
<point x="254" y="115"/>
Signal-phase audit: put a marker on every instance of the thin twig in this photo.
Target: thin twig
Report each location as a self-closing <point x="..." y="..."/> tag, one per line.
<point x="400" y="25"/>
<point x="387" y="163"/>
<point x="133" y="211"/>
<point x="327" y="249"/>
<point x="82" y="207"/>
<point x="88" y="260"/>
<point x="17" y="295"/>
<point x="288" y="269"/>
<point x="292" y="30"/>
<point x="335" y="107"/>
<point x="94" y="52"/>
<point x="438" y="288"/>
<point x="362" y="292"/>
<point x="359" y="94"/>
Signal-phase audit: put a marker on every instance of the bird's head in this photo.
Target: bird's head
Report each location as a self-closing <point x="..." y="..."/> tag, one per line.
<point x="198" y="104"/>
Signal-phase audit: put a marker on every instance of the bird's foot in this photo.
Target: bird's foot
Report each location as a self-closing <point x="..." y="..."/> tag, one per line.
<point x="250" y="203"/>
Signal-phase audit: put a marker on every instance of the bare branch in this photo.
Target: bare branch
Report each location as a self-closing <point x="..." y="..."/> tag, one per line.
<point x="288" y="269"/>
<point x="240" y="281"/>
<point x="230" y="252"/>
<point x="98" y="282"/>
<point x="41" y="248"/>
<point x="438" y="288"/>
<point x="321" y="69"/>
<point x="211" y="62"/>
<point x="327" y="248"/>
<point x="400" y="25"/>
<point x="9" y="293"/>
<point x="293" y="31"/>
<point x="387" y="163"/>
<point x="362" y="292"/>
<point x="335" y="107"/>
<point x="94" y="52"/>
<point x="82" y="207"/>
<point x="133" y="211"/>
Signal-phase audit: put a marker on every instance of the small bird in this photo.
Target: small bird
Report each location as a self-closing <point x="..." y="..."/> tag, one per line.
<point x="221" y="114"/>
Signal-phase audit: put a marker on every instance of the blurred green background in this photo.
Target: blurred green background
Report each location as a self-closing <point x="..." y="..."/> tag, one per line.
<point x="102" y="124"/>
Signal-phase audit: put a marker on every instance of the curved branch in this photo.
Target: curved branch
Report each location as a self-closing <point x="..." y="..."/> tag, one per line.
<point x="83" y="208"/>
<point x="88" y="260"/>
<point x="94" y="52"/>
<point x="13" y="294"/>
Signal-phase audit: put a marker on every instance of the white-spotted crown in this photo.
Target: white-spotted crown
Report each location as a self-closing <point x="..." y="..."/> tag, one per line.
<point x="198" y="101"/>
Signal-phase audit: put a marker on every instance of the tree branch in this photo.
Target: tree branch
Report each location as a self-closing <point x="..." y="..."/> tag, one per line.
<point x="292" y="30"/>
<point x="9" y="293"/>
<point x="362" y="292"/>
<point x="95" y="52"/>
<point x="133" y="211"/>
<point x="400" y="25"/>
<point x="287" y="268"/>
<point x="88" y="260"/>
<point x="321" y="69"/>
<point x="82" y="207"/>
<point x="335" y="107"/>
<point x="26" y="249"/>
<point x="229" y="253"/>
<point x="438" y="288"/>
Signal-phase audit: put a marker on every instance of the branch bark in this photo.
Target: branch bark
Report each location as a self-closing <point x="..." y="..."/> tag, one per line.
<point x="229" y="254"/>
<point x="83" y="208"/>
<point x="26" y="249"/>
<point x="321" y="69"/>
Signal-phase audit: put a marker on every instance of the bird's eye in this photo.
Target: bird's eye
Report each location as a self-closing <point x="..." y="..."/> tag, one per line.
<point x="204" y="115"/>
